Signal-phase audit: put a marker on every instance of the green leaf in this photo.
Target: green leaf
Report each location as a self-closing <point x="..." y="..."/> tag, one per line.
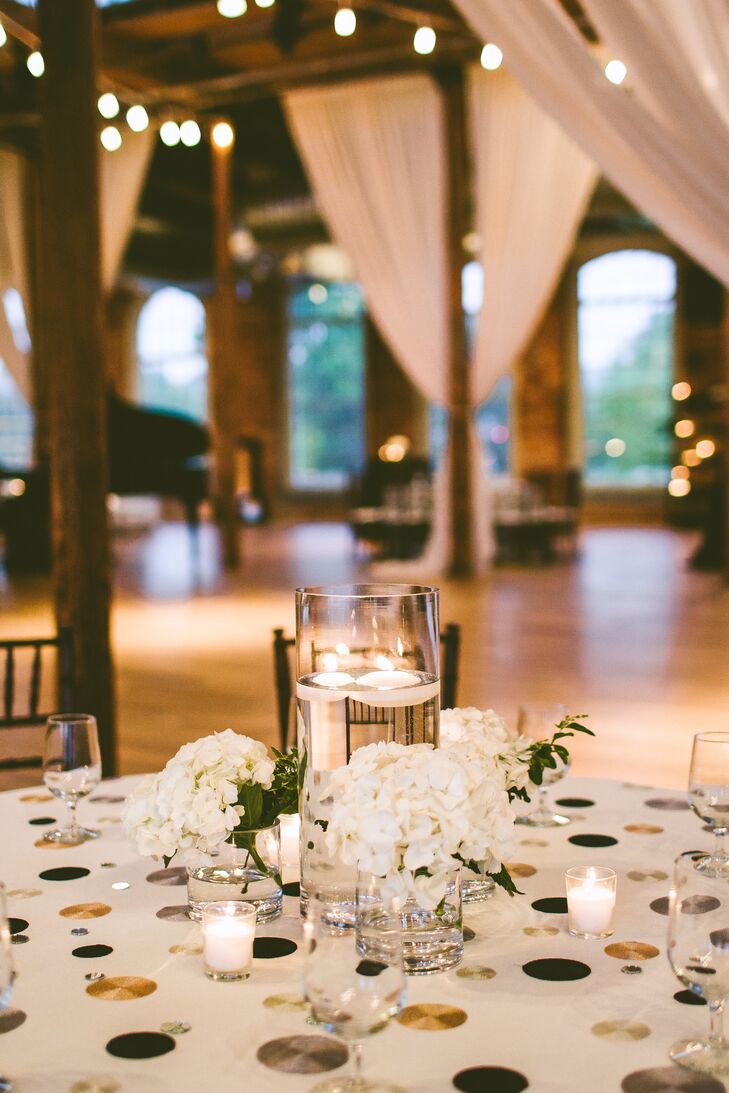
<point x="504" y="879"/>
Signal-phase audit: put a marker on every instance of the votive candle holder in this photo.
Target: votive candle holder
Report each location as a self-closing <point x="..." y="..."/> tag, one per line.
<point x="591" y="892"/>
<point x="228" y="929"/>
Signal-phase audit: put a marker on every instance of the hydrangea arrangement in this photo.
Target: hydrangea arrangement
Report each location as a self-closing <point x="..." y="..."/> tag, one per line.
<point x="410" y="813"/>
<point x="211" y="791"/>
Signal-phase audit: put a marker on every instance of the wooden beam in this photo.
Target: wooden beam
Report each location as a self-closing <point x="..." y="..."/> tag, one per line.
<point x="223" y="362"/>
<point x="463" y="562"/>
<point x="71" y="333"/>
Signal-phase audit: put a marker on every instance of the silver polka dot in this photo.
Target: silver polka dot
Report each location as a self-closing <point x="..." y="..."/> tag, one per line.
<point x="108" y="865"/>
<point x="120" y="885"/>
<point x="19" y="939"/>
<point x="175" y="1028"/>
<point x="79" y="931"/>
<point x="631" y="969"/>
<point x="93" y="976"/>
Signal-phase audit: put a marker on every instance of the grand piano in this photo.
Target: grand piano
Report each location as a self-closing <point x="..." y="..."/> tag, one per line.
<point x="151" y="452"/>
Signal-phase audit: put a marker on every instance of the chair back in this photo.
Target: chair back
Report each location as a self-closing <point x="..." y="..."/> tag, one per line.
<point x="21" y="671"/>
<point x="450" y="646"/>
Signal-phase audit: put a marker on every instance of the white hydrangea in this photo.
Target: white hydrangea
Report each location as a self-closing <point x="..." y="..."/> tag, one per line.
<point x="487" y="735"/>
<point x="402" y="809"/>
<point x="191" y="804"/>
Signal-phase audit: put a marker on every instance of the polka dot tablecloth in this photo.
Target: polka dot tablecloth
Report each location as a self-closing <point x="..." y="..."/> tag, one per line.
<point x="111" y="994"/>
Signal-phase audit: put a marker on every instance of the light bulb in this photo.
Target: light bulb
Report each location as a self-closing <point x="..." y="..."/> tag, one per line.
<point x="137" y="119"/>
<point x="705" y="449"/>
<point x="169" y="133"/>
<point x="679" y="487"/>
<point x="615" y="447"/>
<point x="681" y="390"/>
<point x="3" y="36"/>
<point x="111" y="138"/>
<point x="222" y="134"/>
<point x="108" y="105"/>
<point x="232" y="9"/>
<point x="190" y="133"/>
<point x="345" y="22"/>
<point x="491" y="57"/>
<point x="424" y="40"/>
<point x="265" y="3"/>
<point x="35" y="64"/>
<point x="616" y="71"/>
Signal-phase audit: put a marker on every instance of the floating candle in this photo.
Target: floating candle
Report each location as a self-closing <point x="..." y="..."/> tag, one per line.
<point x="388" y="681"/>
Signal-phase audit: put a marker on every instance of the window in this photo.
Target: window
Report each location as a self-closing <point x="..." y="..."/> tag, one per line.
<point x="626" y="303"/>
<point x="172" y="365"/>
<point x="16" y="416"/>
<point x="326" y="384"/>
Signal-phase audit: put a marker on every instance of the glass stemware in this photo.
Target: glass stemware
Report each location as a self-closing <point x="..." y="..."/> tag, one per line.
<point x="71" y="769"/>
<point x="709" y="795"/>
<point x="350" y="995"/>
<point x="7" y="972"/>
<point x="538" y="723"/>
<point x="698" y="951"/>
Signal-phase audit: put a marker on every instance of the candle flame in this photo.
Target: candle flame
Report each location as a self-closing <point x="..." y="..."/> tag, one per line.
<point x="342" y="649"/>
<point x="329" y="662"/>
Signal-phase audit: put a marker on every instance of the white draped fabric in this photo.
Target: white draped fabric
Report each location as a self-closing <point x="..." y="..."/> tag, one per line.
<point x="374" y="154"/>
<point x="661" y="149"/>
<point x="13" y="263"/>
<point x="532" y="186"/>
<point x="122" y="175"/>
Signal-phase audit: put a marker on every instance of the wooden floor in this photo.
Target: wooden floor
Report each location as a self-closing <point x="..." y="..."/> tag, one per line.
<point x="625" y="633"/>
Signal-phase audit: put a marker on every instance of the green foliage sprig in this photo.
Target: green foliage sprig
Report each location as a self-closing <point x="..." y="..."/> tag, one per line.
<point x="545" y="753"/>
<point x="264" y="806"/>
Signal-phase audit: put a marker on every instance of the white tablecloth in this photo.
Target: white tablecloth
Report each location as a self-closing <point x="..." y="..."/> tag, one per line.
<point x="542" y="1029"/>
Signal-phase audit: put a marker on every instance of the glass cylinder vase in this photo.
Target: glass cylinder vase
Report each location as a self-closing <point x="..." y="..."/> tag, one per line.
<point x="431" y="938"/>
<point x="247" y="869"/>
<point x="476" y="886"/>
<point x="367" y="659"/>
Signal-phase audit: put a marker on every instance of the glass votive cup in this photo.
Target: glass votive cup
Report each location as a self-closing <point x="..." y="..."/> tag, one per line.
<point x="228" y="930"/>
<point x="590" y="901"/>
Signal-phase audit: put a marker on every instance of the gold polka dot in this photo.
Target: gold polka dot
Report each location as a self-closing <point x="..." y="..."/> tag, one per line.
<point x="534" y="842"/>
<point x="432" y="1016"/>
<point x="46" y="844"/>
<point x="475" y="971"/>
<point x="632" y="950"/>
<point x="103" y="1085"/>
<point x="109" y="820"/>
<point x="635" y="874"/>
<point x="36" y="798"/>
<point x="621" y="1030"/>
<point x="121" y="988"/>
<point x="85" y="910"/>
<point x="541" y="931"/>
<point x="189" y="948"/>
<point x="643" y="829"/>
<point x="286" y="1002"/>
<point x="519" y="869"/>
<point x="25" y="893"/>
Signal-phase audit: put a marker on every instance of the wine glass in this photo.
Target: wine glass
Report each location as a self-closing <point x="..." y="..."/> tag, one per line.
<point x="698" y="951"/>
<point x="7" y="972"/>
<point x="538" y="723"/>
<point x="709" y="795"/>
<point x="71" y="769"/>
<point x="350" y="995"/>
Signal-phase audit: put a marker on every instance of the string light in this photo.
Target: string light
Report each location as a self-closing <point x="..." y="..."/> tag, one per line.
<point x="616" y="71"/>
<point x="3" y="36"/>
<point x="705" y="449"/>
<point x="684" y="428"/>
<point x="681" y="391"/>
<point x="679" y="487"/>
<point x="232" y="9"/>
<point x="689" y="458"/>
<point x="680" y="472"/>
<point x="137" y="119"/>
<point x="35" y="64"/>
<point x="615" y="447"/>
<point x="222" y="134"/>
<point x="265" y="3"/>
<point x="345" y="22"/>
<point x="190" y="133"/>
<point x="424" y="40"/>
<point x="108" y="105"/>
<point x="111" y="138"/>
<point x="169" y="133"/>
<point x="491" y="57"/>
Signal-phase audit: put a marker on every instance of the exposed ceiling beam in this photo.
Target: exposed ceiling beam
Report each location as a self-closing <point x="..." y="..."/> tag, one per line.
<point x="19" y="22"/>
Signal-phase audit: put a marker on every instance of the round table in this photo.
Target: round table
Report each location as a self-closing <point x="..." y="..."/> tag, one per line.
<point x="583" y="1034"/>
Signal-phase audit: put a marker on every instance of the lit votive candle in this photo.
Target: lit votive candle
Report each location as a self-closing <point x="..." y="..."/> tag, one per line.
<point x="228" y="930"/>
<point x="590" y="900"/>
<point x="290" y="829"/>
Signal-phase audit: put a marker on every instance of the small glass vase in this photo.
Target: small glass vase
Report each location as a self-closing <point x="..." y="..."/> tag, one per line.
<point x="431" y="940"/>
<point x="476" y="887"/>
<point x="247" y="869"/>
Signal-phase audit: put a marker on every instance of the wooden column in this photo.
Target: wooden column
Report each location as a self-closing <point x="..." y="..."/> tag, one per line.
<point x="463" y="562"/>
<point x="223" y="363"/>
<point x="71" y="332"/>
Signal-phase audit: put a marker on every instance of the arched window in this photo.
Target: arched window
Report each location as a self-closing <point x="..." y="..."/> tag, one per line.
<point x="172" y="365"/>
<point x="626" y="303"/>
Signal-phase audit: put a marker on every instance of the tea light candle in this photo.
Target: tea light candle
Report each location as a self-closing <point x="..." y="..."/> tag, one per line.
<point x="388" y="680"/>
<point x="590" y="900"/>
<point x="228" y="929"/>
<point x="290" y="829"/>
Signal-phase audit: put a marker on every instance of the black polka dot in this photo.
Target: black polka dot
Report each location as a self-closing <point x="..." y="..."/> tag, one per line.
<point x="468" y="933"/>
<point x="688" y="998"/>
<point x="660" y="905"/>
<point x="140" y="1045"/>
<point x="551" y="905"/>
<point x="11" y="1019"/>
<point x="490" y="1079"/>
<point x="669" y="804"/>
<point x="41" y="821"/>
<point x="575" y="802"/>
<point x="64" y="872"/>
<point x="175" y="876"/>
<point x="593" y="840"/>
<point x="663" y="1079"/>
<point x="557" y="970"/>
<point x="370" y="967"/>
<point x="292" y="889"/>
<point x="176" y="913"/>
<point x="268" y="948"/>
<point x="90" y="952"/>
<point x="17" y="925"/>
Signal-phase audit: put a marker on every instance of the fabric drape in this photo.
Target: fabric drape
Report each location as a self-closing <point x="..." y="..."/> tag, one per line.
<point x="374" y="154"/>
<point x="122" y="175"/>
<point x="660" y="149"/>
<point x="14" y="263"/>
